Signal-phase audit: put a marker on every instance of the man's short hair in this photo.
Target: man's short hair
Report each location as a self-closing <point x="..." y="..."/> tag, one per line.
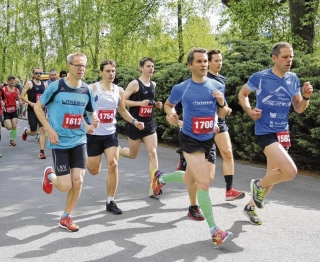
<point x="63" y="72"/>
<point x="277" y="47"/>
<point x="52" y="70"/>
<point x="107" y="62"/>
<point x="71" y="56"/>
<point x="35" y="69"/>
<point x="144" y="60"/>
<point x="195" y="50"/>
<point x="213" y="52"/>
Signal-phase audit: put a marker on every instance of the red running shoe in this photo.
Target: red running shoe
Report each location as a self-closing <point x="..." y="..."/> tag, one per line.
<point x="24" y="134"/>
<point x="219" y="236"/>
<point x="68" y="224"/>
<point x="234" y="194"/>
<point x="42" y="156"/>
<point x="47" y="186"/>
<point x="12" y="143"/>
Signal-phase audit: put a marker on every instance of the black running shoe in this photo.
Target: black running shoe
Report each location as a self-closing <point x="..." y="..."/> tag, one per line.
<point x="112" y="207"/>
<point x="195" y="213"/>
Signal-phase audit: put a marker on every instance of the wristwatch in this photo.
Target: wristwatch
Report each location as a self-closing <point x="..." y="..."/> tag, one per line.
<point x="133" y="121"/>
<point x="224" y="104"/>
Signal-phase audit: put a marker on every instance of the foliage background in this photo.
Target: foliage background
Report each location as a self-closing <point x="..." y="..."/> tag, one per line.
<point x="41" y="33"/>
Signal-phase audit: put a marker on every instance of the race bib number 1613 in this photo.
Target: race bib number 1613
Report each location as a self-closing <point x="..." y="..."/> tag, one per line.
<point x="72" y="121"/>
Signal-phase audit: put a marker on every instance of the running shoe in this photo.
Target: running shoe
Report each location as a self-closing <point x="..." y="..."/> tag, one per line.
<point x="182" y="165"/>
<point x="68" y="224"/>
<point x="250" y="212"/>
<point x="24" y="134"/>
<point x="113" y="208"/>
<point x="233" y="194"/>
<point x="195" y="213"/>
<point x="156" y="185"/>
<point x="151" y="195"/>
<point x="220" y="236"/>
<point x="12" y="143"/>
<point x="257" y="193"/>
<point x="47" y="186"/>
<point x="42" y="156"/>
<point x="38" y="137"/>
<point x="0" y="154"/>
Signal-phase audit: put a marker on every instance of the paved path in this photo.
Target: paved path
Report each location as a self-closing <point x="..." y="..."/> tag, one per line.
<point x="148" y="229"/>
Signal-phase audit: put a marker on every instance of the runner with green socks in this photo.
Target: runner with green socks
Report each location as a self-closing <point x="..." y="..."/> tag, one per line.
<point x="201" y="99"/>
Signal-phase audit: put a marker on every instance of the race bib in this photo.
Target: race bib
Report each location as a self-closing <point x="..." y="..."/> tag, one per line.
<point x="105" y="116"/>
<point x="72" y="121"/>
<point x="202" y="124"/>
<point x="145" y="111"/>
<point x="38" y="97"/>
<point x="11" y="109"/>
<point x="284" y="138"/>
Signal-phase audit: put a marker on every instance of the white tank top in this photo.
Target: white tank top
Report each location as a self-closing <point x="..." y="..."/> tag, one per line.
<point x="106" y="109"/>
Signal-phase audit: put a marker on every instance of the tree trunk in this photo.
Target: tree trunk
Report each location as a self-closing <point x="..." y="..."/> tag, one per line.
<point x="302" y="18"/>
<point x="40" y="35"/>
<point x="61" y="31"/>
<point x="180" y="32"/>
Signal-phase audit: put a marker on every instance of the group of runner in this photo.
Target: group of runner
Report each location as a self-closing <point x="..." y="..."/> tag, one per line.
<point x="81" y="126"/>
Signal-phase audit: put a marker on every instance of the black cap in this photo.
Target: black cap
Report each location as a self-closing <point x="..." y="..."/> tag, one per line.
<point x="10" y="77"/>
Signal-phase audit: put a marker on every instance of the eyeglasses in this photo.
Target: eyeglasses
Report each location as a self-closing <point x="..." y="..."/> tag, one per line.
<point x="79" y="66"/>
<point x="38" y="73"/>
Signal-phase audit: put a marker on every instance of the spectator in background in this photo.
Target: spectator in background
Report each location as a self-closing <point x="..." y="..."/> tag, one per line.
<point x="63" y="74"/>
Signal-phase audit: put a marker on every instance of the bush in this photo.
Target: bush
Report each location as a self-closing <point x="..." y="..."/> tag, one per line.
<point x="239" y="63"/>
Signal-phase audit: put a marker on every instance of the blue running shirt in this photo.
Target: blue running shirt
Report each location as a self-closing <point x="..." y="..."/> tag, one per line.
<point x="274" y="96"/>
<point x="199" y="106"/>
<point x="67" y="106"/>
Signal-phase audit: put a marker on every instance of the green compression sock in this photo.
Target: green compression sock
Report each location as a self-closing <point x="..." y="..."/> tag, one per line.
<point x="206" y="206"/>
<point x="176" y="177"/>
<point x="13" y="133"/>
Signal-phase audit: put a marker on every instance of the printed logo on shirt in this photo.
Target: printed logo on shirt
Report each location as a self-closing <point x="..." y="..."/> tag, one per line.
<point x="279" y="97"/>
<point x="73" y="103"/>
<point x="202" y="103"/>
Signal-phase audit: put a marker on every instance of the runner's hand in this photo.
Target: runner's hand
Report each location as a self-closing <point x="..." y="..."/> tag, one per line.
<point x="172" y="119"/>
<point x="139" y="125"/>
<point x="255" y="113"/>
<point x="158" y="104"/>
<point x="53" y="136"/>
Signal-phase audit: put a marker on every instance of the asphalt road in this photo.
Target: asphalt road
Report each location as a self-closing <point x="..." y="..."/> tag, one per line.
<point x="148" y="229"/>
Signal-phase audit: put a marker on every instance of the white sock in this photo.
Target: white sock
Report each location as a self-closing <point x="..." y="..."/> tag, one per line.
<point x="110" y="199"/>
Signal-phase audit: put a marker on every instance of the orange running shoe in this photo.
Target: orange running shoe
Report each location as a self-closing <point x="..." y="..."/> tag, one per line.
<point x="68" y="224"/>
<point x="156" y="185"/>
<point x="47" y="186"/>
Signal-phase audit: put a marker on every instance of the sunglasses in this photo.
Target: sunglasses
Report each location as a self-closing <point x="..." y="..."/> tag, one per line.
<point x="38" y="73"/>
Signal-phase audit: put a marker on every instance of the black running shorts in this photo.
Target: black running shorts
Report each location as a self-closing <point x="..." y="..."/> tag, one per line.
<point x="66" y="159"/>
<point x="97" y="144"/>
<point x="134" y="133"/>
